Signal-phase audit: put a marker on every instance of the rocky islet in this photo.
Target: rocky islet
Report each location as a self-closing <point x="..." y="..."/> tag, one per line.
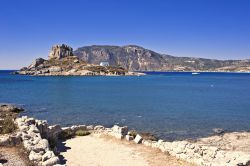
<point x="62" y="62"/>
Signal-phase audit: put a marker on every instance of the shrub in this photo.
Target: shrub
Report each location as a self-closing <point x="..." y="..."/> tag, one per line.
<point x="149" y="136"/>
<point x="82" y="133"/>
<point x="145" y="136"/>
<point x="7" y="125"/>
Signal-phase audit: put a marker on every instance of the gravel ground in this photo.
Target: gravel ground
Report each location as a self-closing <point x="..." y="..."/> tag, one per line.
<point x="106" y="151"/>
<point x="12" y="156"/>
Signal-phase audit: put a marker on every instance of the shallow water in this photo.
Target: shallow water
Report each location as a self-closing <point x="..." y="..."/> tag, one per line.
<point x="170" y="105"/>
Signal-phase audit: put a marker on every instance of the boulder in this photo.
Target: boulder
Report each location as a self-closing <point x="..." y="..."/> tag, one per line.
<point x="99" y="127"/>
<point x="30" y="121"/>
<point x="36" y="140"/>
<point x="138" y="139"/>
<point x="41" y="146"/>
<point x="90" y="127"/>
<point x="54" y="131"/>
<point x="79" y="127"/>
<point x="25" y="136"/>
<point x="121" y="130"/>
<point x="180" y="147"/>
<point x="51" y="162"/>
<point x="33" y="129"/>
<point x="42" y="126"/>
<point x="23" y="127"/>
<point x="146" y="143"/>
<point x="218" y="131"/>
<point x="24" y="118"/>
<point x="10" y="108"/>
<point x="28" y="145"/>
<point x="76" y="61"/>
<point x="129" y="137"/>
<point x="35" y="157"/>
<point x="47" y="155"/>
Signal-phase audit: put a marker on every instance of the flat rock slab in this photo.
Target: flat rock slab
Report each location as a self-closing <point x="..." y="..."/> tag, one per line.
<point x="100" y="151"/>
<point x="235" y="141"/>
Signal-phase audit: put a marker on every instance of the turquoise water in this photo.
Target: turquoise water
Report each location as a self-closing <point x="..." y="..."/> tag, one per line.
<point x="170" y="105"/>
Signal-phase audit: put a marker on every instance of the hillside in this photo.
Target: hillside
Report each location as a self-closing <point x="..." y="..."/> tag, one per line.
<point x="136" y="58"/>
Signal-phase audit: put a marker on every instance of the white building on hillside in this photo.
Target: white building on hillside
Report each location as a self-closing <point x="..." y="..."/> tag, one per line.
<point x="104" y="63"/>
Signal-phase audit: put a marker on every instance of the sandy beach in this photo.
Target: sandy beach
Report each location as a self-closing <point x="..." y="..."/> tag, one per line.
<point x="97" y="150"/>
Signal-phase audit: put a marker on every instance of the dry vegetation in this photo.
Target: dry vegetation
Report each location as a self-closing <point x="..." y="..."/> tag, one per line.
<point x="144" y="135"/>
<point x="67" y="134"/>
<point x="14" y="155"/>
<point x="6" y="120"/>
<point x="72" y="62"/>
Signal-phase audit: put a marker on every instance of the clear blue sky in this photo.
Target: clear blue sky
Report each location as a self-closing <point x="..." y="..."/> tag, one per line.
<point x="199" y="28"/>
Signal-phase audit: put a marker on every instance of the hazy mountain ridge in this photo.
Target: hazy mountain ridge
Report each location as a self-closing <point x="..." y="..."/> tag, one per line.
<point x="137" y="58"/>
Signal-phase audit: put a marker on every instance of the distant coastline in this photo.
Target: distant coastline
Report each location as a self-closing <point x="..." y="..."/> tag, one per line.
<point x="130" y="60"/>
<point x="11" y="71"/>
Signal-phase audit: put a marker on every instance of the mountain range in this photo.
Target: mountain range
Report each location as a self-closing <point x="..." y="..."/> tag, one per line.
<point x="136" y="58"/>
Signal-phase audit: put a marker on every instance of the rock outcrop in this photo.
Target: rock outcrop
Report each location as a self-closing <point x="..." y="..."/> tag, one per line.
<point x="36" y="63"/>
<point x="62" y="62"/>
<point x="60" y="51"/>
<point x="10" y="108"/>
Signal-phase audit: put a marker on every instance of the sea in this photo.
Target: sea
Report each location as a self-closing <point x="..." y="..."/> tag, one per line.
<point x="171" y="105"/>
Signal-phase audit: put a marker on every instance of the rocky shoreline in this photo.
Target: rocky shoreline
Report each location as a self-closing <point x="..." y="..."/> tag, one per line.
<point x="40" y="140"/>
<point x="62" y="62"/>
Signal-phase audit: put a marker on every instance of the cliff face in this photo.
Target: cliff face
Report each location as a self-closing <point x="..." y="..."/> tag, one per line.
<point x="136" y="58"/>
<point x="129" y="57"/>
<point x="60" y="51"/>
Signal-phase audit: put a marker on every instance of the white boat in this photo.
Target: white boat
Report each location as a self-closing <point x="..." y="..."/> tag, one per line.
<point x="195" y="73"/>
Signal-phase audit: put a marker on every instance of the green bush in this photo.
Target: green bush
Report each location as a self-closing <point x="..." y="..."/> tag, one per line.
<point x="82" y="133"/>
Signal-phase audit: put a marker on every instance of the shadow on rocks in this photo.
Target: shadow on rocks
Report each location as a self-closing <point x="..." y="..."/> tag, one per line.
<point x="61" y="147"/>
<point x="3" y="161"/>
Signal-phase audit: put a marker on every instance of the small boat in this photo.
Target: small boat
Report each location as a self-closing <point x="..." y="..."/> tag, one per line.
<point x="195" y="73"/>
